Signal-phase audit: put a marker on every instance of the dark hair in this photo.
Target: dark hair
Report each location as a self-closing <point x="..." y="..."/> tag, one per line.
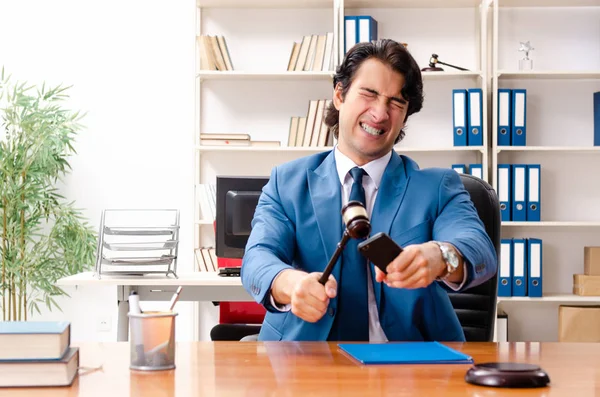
<point x="389" y="52"/>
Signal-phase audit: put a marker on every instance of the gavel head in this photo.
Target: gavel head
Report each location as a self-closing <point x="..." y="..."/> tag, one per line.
<point x="433" y="60"/>
<point x="356" y="220"/>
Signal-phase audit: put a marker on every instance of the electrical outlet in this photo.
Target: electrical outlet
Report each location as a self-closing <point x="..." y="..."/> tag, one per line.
<point x="104" y="324"/>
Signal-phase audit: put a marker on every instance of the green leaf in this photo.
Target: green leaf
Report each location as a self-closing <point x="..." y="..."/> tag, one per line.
<point x="42" y="237"/>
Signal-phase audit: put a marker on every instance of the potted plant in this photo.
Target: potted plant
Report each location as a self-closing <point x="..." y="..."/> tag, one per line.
<point x="42" y="237"/>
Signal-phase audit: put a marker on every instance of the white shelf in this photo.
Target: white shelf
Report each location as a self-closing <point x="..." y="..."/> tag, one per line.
<point x="291" y="149"/>
<point x="549" y="3"/>
<point x="411" y="3"/>
<point x="565" y="298"/>
<point x="265" y="3"/>
<point x="240" y="75"/>
<point x="450" y="74"/>
<point x="552" y="224"/>
<point x="280" y="149"/>
<point x="550" y="74"/>
<point x="401" y="149"/>
<point x="548" y="149"/>
<point x="203" y="222"/>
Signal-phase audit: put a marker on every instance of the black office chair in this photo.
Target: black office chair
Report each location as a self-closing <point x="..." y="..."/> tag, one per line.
<point x="476" y="307"/>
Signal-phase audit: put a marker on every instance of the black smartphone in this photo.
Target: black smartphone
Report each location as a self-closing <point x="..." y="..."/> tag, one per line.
<point x="380" y="249"/>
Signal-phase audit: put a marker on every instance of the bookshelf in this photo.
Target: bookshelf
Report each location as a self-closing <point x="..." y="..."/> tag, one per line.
<point x="565" y="73"/>
<point x="259" y="96"/>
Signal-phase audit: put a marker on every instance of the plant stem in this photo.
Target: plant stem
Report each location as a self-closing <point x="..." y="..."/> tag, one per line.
<point x="14" y="298"/>
<point x="23" y="285"/>
<point x="4" y="204"/>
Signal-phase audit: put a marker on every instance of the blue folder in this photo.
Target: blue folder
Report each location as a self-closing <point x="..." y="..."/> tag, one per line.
<point x="405" y="353"/>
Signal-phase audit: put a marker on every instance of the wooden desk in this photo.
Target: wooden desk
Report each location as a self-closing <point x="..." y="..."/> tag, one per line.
<point x="308" y="369"/>
<point x="199" y="286"/>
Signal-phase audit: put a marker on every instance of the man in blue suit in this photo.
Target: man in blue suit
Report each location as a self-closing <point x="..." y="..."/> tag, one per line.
<point x="297" y="223"/>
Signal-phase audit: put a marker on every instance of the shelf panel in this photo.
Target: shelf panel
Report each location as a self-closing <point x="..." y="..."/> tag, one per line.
<point x="265" y="3"/>
<point x="552" y="298"/>
<point x="549" y="3"/>
<point x="450" y="74"/>
<point x="552" y="224"/>
<point x="284" y="149"/>
<point x="548" y="149"/>
<point x="281" y="149"/>
<point x="203" y="222"/>
<point x="411" y="3"/>
<point x="550" y="74"/>
<point x="402" y="149"/>
<point x="240" y="75"/>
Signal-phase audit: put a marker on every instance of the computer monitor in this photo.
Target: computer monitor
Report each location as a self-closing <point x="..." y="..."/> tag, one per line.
<point x="237" y="197"/>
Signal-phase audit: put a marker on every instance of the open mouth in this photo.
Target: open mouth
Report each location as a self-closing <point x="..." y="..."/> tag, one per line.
<point x="370" y="130"/>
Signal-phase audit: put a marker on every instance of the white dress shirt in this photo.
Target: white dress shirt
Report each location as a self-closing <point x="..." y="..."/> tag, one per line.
<point x="371" y="182"/>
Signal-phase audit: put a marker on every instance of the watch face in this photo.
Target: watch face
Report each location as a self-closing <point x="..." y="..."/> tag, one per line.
<point x="453" y="260"/>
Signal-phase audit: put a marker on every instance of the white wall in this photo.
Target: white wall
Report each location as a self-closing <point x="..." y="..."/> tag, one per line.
<point x="131" y="64"/>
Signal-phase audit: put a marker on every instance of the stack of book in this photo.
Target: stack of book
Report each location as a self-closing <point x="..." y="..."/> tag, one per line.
<point x="37" y="354"/>
<point x="207" y="194"/>
<point x="311" y="130"/>
<point x="214" y="54"/>
<point x="233" y="140"/>
<point x="313" y="53"/>
<point x="206" y="259"/>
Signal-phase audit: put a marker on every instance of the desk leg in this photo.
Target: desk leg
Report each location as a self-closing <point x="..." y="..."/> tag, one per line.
<point x="123" y="319"/>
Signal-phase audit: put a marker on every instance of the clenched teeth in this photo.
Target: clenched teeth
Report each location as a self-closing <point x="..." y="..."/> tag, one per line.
<point x="371" y="130"/>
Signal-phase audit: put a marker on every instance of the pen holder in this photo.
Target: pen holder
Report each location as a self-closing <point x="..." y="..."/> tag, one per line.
<point x="152" y="341"/>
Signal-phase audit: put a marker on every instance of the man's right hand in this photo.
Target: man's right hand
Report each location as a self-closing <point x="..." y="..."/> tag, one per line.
<point x="308" y="297"/>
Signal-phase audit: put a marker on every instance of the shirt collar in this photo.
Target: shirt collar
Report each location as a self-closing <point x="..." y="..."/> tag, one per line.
<point x="374" y="168"/>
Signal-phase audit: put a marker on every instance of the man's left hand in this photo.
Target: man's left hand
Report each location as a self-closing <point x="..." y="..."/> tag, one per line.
<point x="416" y="267"/>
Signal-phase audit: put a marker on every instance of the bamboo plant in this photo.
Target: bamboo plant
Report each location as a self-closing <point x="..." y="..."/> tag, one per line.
<point x="42" y="236"/>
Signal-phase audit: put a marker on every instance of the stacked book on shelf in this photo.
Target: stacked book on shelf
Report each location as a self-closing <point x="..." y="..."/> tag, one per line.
<point x="206" y="259"/>
<point x="138" y="242"/>
<point x="214" y="54"/>
<point x="233" y="140"/>
<point x="37" y="353"/>
<point x="313" y="53"/>
<point x="207" y="198"/>
<point x="311" y="130"/>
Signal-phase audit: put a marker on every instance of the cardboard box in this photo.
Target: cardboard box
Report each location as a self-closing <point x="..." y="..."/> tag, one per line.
<point x="591" y="261"/>
<point x="579" y="323"/>
<point x="586" y="285"/>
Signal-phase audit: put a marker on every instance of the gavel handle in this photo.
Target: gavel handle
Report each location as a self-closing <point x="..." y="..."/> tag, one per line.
<point x="452" y="66"/>
<point x="334" y="258"/>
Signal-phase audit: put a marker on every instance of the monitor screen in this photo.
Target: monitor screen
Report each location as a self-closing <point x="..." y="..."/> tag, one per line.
<point x="237" y="197"/>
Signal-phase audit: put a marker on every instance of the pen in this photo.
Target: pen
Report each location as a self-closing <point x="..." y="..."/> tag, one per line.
<point x="134" y="303"/>
<point x="175" y="298"/>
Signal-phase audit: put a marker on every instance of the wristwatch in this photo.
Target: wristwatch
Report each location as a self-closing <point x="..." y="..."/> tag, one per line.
<point x="450" y="258"/>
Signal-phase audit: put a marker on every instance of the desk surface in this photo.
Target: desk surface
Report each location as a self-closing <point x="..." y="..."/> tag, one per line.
<point x="307" y="369"/>
<point x="190" y="279"/>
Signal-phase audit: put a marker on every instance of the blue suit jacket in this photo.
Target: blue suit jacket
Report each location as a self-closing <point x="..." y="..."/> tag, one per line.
<point x="297" y="224"/>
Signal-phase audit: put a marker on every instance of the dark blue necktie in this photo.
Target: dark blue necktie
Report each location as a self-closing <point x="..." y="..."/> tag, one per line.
<point x="352" y="319"/>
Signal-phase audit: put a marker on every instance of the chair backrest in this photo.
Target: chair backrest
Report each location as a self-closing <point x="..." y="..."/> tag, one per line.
<point x="476" y="307"/>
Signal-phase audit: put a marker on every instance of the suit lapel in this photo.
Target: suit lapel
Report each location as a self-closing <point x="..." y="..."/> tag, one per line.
<point x="325" y="193"/>
<point x="389" y="198"/>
